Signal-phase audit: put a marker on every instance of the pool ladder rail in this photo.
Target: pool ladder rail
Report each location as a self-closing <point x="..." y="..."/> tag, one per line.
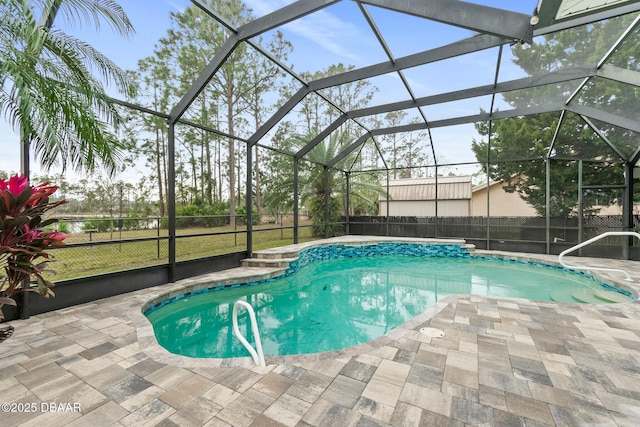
<point x="588" y="242"/>
<point x="256" y="354"/>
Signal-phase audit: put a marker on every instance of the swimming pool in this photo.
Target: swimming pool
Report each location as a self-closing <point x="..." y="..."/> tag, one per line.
<point x="336" y="297"/>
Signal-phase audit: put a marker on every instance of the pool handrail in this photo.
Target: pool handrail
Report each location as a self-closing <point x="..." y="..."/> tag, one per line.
<point x="588" y="242"/>
<point x="256" y="354"/>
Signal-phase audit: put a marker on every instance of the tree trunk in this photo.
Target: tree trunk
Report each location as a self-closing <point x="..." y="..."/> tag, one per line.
<point x="219" y="166"/>
<point x="208" y="162"/>
<point x="232" y="157"/>
<point x="258" y="199"/>
<point x="159" y="171"/>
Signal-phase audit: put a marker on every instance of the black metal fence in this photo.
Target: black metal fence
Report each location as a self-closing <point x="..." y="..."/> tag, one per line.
<point x="526" y="234"/>
<point x="104" y="245"/>
<point x="110" y="256"/>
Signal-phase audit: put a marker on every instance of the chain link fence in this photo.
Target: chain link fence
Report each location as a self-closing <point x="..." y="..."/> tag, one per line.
<point x="103" y="245"/>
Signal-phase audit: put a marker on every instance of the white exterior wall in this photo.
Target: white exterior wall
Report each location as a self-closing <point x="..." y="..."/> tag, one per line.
<point x="501" y="203"/>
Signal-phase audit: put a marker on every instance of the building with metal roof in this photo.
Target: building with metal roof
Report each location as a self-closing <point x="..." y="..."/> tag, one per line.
<point x="434" y="196"/>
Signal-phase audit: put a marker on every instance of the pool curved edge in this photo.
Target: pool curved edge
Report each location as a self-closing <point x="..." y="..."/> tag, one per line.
<point x="610" y="278"/>
<point x="149" y="344"/>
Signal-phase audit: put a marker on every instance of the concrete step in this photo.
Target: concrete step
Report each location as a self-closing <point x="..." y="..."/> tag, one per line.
<point x="562" y="295"/>
<point x="275" y="255"/>
<point x="612" y="296"/>
<point x="588" y="296"/>
<point x="267" y="262"/>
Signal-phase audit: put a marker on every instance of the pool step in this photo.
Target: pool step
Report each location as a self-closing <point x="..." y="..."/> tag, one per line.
<point x="275" y="255"/>
<point x="562" y="295"/>
<point x="267" y="262"/>
<point x="270" y="258"/>
<point x="611" y="296"/>
<point x="588" y="296"/>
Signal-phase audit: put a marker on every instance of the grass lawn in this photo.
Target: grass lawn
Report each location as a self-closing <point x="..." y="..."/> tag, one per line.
<point x="80" y="261"/>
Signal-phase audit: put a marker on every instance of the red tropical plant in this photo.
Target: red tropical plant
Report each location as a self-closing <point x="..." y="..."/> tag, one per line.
<point x="23" y="240"/>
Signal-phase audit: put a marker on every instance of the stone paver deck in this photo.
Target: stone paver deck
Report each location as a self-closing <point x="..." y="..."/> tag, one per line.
<point x="502" y="362"/>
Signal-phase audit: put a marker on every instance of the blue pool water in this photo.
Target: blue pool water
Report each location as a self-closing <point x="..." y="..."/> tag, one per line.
<point x="333" y="304"/>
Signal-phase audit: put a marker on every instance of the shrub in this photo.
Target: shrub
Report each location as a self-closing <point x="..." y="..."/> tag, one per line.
<point x="23" y="240"/>
<point x="241" y="218"/>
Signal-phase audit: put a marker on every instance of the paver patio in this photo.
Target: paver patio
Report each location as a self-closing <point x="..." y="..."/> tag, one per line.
<point x="502" y="362"/>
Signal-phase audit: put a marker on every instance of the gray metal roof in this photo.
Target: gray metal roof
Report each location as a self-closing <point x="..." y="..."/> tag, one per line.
<point x="449" y="188"/>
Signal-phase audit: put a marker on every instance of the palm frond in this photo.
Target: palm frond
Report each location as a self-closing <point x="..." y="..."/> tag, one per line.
<point x="92" y="60"/>
<point x="89" y="12"/>
<point x="47" y="88"/>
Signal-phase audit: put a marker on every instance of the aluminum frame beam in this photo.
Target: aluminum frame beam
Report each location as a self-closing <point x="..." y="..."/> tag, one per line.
<point x="462" y="47"/>
<point x="555" y="133"/>
<point x="604" y="137"/>
<point x="511" y="85"/>
<point x="322" y="135"/>
<point x="282" y="16"/>
<point x="533" y="81"/>
<point x="603" y="116"/>
<point x="607" y="55"/>
<point x="205" y="76"/>
<point x="443" y="123"/>
<point x="272" y="20"/>
<point x="512" y="26"/>
<point x="387" y="49"/>
<point x="344" y="153"/>
<point x="223" y="21"/>
<point x="200" y="4"/>
<point x="622" y="75"/>
<point x="181" y="121"/>
<point x="475" y="17"/>
<point x="278" y="115"/>
<point x="504" y="114"/>
<point x="635" y="157"/>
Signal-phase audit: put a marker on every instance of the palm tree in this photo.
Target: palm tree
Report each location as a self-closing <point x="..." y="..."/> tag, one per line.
<point x="47" y="90"/>
<point x="311" y="183"/>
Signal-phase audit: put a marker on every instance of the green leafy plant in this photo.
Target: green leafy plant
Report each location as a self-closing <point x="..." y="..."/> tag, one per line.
<point x="99" y="223"/>
<point x="23" y="242"/>
<point x="241" y="213"/>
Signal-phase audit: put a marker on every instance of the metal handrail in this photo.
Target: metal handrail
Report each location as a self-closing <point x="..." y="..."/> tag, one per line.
<point x="256" y="354"/>
<point x="588" y="242"/>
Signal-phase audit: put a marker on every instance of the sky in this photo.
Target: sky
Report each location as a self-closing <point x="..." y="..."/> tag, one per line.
<point x="337" y="34"/>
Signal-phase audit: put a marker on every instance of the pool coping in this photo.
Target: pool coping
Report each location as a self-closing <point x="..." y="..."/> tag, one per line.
<point x="149" y="344"/>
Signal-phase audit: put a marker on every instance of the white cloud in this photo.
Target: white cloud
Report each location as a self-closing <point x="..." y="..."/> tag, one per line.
<point x="177" y="7"/>
<point x="327" y="31"/>
<point x="263" y="7"/>
<point x="321" y="28"/>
